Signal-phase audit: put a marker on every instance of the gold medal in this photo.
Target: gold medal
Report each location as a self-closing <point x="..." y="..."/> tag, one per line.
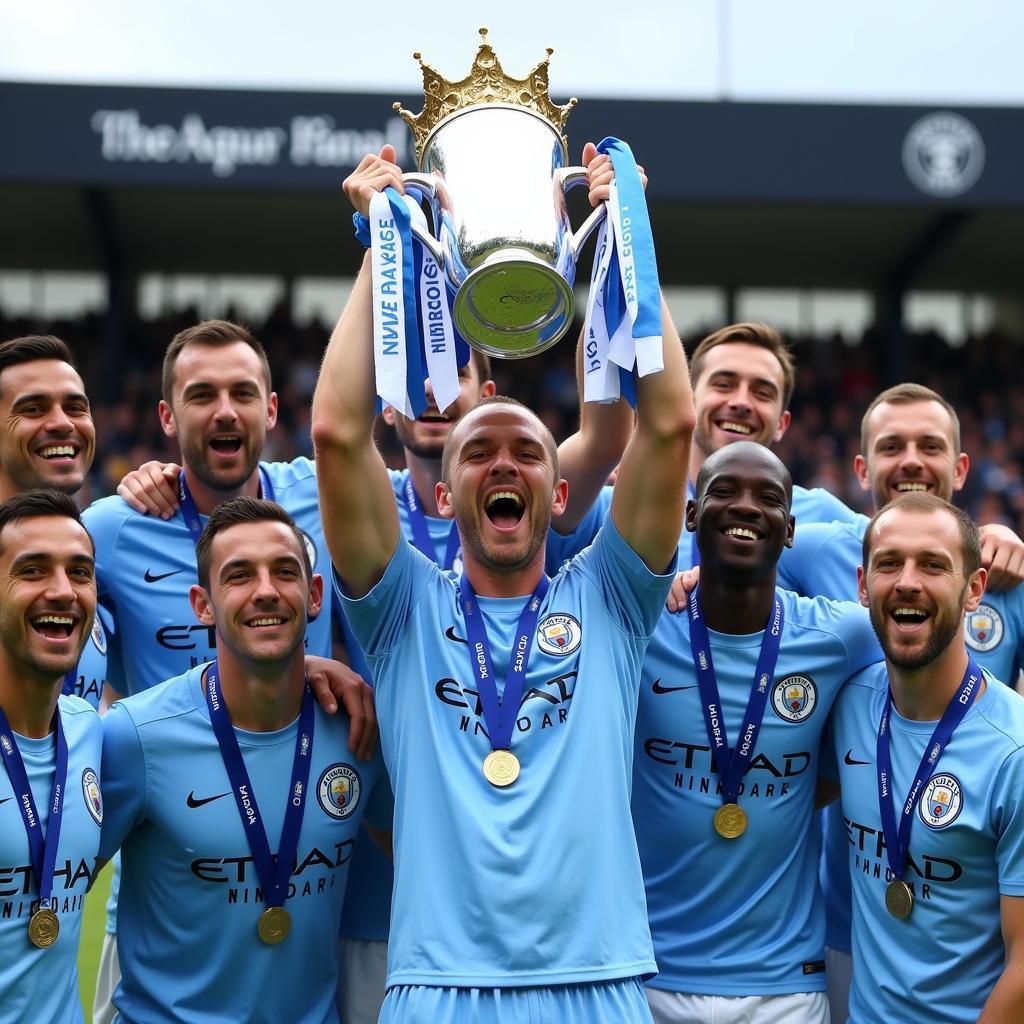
<point x="730" y="821"/>
<point x="43" y="928"/>
<point x="274" y="925"/>
<point x="899" y="899"/>
<point x="501" y="768"/>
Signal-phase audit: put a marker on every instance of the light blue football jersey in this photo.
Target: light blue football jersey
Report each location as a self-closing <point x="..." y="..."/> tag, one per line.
<point x="739" y="917"/>
<point x="190" y="896"/>
<point x="439" y="529"/>
<point x="966" y="848"/>
<point x="42" y="984"/>
<point x="539" y="883"/>
<point x="144" y="569"/>
<point x="809" y="506"/>
<point x="91" y="672"/>
<point x="824" y="560"/>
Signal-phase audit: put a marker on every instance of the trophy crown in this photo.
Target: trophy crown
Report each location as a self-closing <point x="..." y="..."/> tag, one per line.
<point x="485" y="83"/>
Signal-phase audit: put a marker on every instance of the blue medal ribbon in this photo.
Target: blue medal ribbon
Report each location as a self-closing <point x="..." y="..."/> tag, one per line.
<point x="43" y="852"/>
<point x="733" y="763"/>
<point x="897" y="842"/>
<point x="500" y="715"/>
<point x="421" y="534"/>
<point x="272" y="872"/>
<point x="190" y="513"/>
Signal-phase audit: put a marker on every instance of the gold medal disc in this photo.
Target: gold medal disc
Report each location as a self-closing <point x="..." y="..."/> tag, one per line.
<point x="501" y="768"/>
<point x="43" y="928"/>
<point x="899" y="899"/>
<point x="274" y="925"/>
<point x="730" y="821"/>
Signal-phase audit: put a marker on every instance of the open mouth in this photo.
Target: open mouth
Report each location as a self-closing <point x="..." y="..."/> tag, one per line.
<point x="57" y="452"/>
<point x="266" y="622"/>
<point x="911" y="487"/>
<point x="54" y="627"/>
<point x="908" y="618"/>
<point x="741" y="533"/>
<point x="504" y="509"/>
<point x="732" y="427"/>
<point x="432" y="416"/>
<point x="226" y="445"/>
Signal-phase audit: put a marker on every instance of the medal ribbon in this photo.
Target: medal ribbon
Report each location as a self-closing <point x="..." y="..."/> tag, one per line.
<point x="732" y="764"/>
<point x="421" y="534"/>
<point x="500" y="716"/>
<point x="273" y="874"/>
<point x="897" y="842"/>
<point x="43" y="852"/>
<point x="190" y="513"/>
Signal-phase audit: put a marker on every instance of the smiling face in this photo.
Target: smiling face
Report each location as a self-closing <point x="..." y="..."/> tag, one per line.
<point x="47" y="595"/>
<point x="425" y="436"/>
<point x="220" y="412"/>
<point x="915" y="585"/>
<point x="259" y="596"/>
<point x="909" y="448"/>
<point x="738" y="397"/>
<point x="501" y="486"/>
<point x="47" y="436"/>
<point x="741" y="513"/>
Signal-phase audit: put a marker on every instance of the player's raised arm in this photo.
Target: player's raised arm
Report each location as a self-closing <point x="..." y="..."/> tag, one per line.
<point x="356" y="500"/>
<point x="650" y="488"/>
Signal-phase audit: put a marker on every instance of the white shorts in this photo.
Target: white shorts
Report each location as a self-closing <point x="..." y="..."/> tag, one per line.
<point x="107" y="978"/>
<point x="691" y="1008"/>
<point x="839" y="970"/>
<point x="362" y="971"/>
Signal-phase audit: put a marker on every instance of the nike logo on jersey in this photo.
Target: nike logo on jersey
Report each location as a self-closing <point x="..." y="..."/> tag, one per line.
<point x="150" y="578"/>
<point x="658" y="688"/>
<point x="193" y="802"/>
<point x="5" y="799"/>
<point x="450" y="633"/>
<point x="852" y="760"/>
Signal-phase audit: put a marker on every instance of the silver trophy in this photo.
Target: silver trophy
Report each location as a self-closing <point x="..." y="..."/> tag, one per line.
<point x="492" y="163"/>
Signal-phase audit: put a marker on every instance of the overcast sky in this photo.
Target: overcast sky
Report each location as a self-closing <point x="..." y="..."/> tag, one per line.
<point x="888" y="51"/>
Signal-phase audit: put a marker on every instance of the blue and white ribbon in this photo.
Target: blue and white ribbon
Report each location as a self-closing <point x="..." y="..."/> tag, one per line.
<point x="600" y="375"/>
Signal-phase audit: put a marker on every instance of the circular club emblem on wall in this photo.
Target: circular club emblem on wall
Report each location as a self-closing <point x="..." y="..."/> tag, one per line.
<point x="795" y="698"/>
<point x="99" y="638"/>
<point x="91" y="795"/>
<point x="943" y="154"/>
<point x="559" y="634"/>
<point x="338" y="790"/>
<point x="983" y="628"/>
<point x="941" y="801"/>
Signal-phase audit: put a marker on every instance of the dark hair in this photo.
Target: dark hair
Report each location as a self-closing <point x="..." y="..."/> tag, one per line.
<point x="549" y="441"/>
<point x="905" y="394"/>
<point x="236" y="512"/>
<point x="214" y="333"/>
<point x="32" y="347"/>
<point x="751" y="332"/>
<point x="38" y="503"/>
<point x="970" y="540"/>
<point x="483" y="364"/>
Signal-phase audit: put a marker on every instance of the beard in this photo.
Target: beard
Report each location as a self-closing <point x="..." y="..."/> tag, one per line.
<point x="944" y="631"/>
<point x="196" y="457"/>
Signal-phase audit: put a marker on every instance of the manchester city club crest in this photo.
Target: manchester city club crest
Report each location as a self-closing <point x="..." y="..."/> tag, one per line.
<point x="559" y="634"/>
<point x="795" y="698"/>
<point x="943" y="154"/>
<point x="983" y="628"/>
<point x="941" y="801"/>
<point x="91" y="795"/>
<point x="339" y="790"/>
<point x="99" y="637"/>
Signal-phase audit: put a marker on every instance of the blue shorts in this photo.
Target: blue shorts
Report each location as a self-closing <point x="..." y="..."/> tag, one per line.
<point x="607" y="1002"/>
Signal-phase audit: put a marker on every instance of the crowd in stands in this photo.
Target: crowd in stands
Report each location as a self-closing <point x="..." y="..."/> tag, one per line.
<point x="983" y="378"/>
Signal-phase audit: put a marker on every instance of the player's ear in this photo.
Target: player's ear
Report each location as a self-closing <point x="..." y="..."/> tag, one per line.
<point x="862" y="586"/>
<point x="690" y="518"/>
<point x="316" y="596"/>
<point x="201" y="606"/>
<point x="167" y="424"/>
<point x="443" y="497"/>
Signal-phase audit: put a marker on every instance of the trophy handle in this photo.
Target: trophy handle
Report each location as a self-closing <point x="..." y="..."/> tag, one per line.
<point x="570" y="177"/>
<point x="426" y="184"/>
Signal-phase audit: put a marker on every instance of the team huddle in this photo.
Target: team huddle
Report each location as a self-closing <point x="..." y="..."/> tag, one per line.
<point x="489" y="739"/>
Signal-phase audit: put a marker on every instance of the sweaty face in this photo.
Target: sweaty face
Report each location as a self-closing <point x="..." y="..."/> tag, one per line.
<point x="47" y="437"/>
<point x="739" y="397"/>
<point x="910" y="448"/>
<point x="501" y="486"/>
<point x="741" y="514"/>
<point x="425" y="436"/>
<point x="259" y="596"/>
<point x="47" y="594"/>
<point x="914" y="585"/>
<point x="220" y="412"/>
